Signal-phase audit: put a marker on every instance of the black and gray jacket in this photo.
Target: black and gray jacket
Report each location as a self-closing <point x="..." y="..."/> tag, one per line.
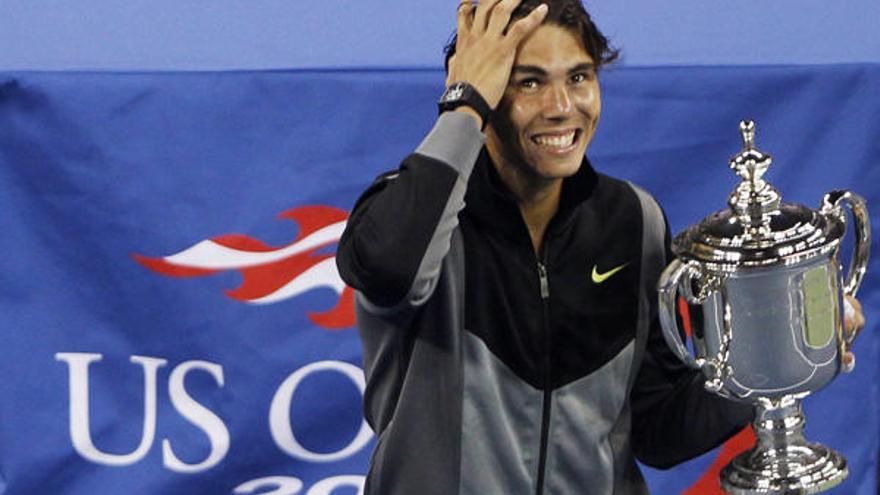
<point x="490" y="371"/>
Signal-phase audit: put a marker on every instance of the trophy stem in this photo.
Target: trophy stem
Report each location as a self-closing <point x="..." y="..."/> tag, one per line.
<point x="782" y="461"/>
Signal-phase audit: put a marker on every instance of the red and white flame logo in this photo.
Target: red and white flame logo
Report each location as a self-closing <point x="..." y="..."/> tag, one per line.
<point x="272" y="274"/>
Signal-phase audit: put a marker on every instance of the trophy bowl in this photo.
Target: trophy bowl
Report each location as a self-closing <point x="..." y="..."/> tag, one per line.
<point x="768" y="280"/>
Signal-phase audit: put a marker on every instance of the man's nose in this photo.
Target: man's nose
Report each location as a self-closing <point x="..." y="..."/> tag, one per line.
<point x="558" y="102"/>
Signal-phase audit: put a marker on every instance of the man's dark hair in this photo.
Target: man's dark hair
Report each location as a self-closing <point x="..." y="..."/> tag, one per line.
<point x="569" y="14"/>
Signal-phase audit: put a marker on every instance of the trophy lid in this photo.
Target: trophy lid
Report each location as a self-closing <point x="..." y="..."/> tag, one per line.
<point x="757" y="229"/>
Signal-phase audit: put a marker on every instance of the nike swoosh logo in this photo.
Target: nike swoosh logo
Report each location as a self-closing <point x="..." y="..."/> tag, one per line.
<point x="598" y="278"/>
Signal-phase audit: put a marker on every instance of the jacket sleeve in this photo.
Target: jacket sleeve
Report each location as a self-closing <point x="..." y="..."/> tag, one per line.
<point x="674" y="417"/>
<point x="400" y="229"/>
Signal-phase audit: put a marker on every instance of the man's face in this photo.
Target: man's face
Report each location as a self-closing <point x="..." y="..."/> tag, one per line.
<point x="550" y="108"/>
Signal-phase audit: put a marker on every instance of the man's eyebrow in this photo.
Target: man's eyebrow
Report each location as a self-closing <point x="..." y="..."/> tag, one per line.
<point x="538" y="71"/>
<point x="584" y="67"/>
<point x="529" y="69"/>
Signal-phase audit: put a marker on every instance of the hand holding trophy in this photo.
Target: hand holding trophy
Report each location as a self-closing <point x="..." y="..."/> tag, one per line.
<point x="768" y="279"/>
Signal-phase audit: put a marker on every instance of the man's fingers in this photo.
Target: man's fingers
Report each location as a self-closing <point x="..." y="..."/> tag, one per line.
<point x="849" y="362"/>
<point x="501" y="16"/>
<point x="465" y="20"/>
<point x="484" y="9"/>
<point x="854" y="319"/>
<point x="521" y="28"/>
<point x="857" y="306"/>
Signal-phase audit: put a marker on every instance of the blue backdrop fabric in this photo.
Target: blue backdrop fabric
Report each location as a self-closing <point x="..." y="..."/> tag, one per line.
<point x="270" y="34"/>
<point x="172" y="322"/>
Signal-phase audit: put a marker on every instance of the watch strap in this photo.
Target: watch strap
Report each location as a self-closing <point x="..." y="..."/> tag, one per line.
<point x="460" y="94"/>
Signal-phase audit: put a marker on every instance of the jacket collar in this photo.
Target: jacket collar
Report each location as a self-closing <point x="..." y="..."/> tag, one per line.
<point x="490" y="202"/>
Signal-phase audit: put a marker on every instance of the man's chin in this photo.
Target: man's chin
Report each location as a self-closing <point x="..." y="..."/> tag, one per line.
<point x="553" y="169"/>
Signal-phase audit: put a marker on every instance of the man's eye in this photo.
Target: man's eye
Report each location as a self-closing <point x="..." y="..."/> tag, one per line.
<point x="528" y="84"/>
<point x="581" y="77"/>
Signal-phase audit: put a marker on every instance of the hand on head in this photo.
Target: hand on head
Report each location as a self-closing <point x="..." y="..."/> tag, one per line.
<point x="485" y="48"/>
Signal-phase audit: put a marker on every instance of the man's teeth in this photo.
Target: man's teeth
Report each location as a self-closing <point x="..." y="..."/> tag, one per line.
<point x="555" y="141"/>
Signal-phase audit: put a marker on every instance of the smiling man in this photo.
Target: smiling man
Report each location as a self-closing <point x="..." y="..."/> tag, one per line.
<point x="506" y="290"/>
<point x="545" y="121"/>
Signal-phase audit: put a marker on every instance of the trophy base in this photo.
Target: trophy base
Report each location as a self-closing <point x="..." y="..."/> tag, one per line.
<point x="795" y="470"/>
<point x="783" y="462"/>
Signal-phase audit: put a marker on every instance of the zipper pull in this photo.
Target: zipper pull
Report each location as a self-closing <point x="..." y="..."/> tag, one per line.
<point x="545" y="286"/>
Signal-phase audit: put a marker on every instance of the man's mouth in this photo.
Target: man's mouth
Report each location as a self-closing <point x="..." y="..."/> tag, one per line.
<point x="557" y="141"/>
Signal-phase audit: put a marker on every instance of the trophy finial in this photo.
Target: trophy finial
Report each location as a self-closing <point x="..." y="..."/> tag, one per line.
<point x="754" y="197"/>
<point x="747" y="129"/>
<point x="750" y="164"/>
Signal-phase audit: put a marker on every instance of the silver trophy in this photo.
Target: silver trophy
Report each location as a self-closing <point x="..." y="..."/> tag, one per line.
<point x="768" y="279"/>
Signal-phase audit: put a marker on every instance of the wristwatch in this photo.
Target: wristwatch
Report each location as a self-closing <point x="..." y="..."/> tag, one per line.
<point x="460" y="94"/>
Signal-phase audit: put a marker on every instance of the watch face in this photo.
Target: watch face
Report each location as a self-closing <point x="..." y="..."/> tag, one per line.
<point x="455" y="92"/>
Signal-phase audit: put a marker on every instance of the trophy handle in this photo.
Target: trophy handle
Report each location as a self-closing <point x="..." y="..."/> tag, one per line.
<point x="831" y="203"/>
<point x="668" y="286"/>
<point x="682" y="275"/>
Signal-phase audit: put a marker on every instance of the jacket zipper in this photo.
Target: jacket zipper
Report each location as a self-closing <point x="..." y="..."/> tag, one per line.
<point x="546" y="410"/>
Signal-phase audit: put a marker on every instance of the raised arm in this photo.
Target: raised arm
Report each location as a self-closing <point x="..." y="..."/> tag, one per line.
<point x="401" y="226"/>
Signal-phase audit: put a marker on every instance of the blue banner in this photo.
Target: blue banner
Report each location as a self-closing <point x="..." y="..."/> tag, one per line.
<point x="172" y="319"/>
